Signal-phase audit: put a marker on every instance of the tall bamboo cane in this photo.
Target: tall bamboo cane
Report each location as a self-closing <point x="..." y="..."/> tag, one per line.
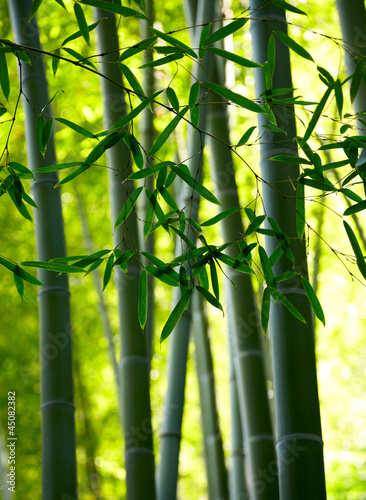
<point x="217" y="478"/>
<point x="173" y="410"/>
<point x="147" y="136"/>
<point x="134" y="361"/>
<point x="247" y="349"/>
<point x="299" y="437"/>
<point x="57" y="391"/>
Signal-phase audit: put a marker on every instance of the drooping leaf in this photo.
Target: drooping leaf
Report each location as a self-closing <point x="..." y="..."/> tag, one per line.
<point x="266" y="267"/>
<point x="276" y="294"/>
<point x="254" y="225"/>
<point x="175" y="315"/>
<point x="289" y="7"/>
<point x="136" y="111"/>
<point x="40" y="125"/>
<point x="122" y="259"/>
<point x="109" y="141"/>
<point x="60" y="166"/>
<point x="79" y="57"/>
<point x="227" y="30"/>
<point x="234" y="263"/>
<point x="128" y="206"/>
<point x="357" y="79"/>
<point x="247" y="63"/>
<point x="323" y="186"/>
<point x="163" y="275"/>
<point x="209" y="297"/>
<point x="173" y="99"/>
<point x="214" y="279"/>
<point x="300" y="209"/>
<point x="271" y="58"/>
<point x="206" y="29"/>
<point x="133" y="81"/>
<point x="35" y="6"/>
<point x="245" y="137"/>
<point x="19" y="282"/>
<point x="73" y="174"/>
<point x="318" y="111"/>
<point x="222" y="215"/>
<point x="193" y="95"/>
<point x="134" y="146"/>
<point x="139" y="47"/>
<point x="350" y="194"/>
<point x="77" y="128"/>
<point x="291" y="44"/>
<point x="286" y="276"/>
<point x="163" y="137"/>
<point x="78" y="34"/>
<point x="108" y="271"/>
<point x="194" y="184"/>
<point x="291" y="159"/>
<point x="360" y="259"/>
<point x="55" y="61"/>
<point x="355" y="208"/>
<point x="142" y="304"/>
<point x="266" y="304"/>
<point x="80" y="19"/>
<point x="168" y="198"/>
<point x="162" y="61"/>
<point x="4" y="77"/>
<point x="174" y="42"/>
<point x="339" y="97"/>
<point x="89" y="259"/>
<point x="115" y="8"/>
<point x="234" y="97"/>
<point x="52" y="266"/>
<point x="313" y="299"/>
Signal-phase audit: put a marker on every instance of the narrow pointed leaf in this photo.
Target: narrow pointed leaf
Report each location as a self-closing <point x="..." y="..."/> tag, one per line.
<point x="173" y="99"/>
<point x="108" y="271"/>
<point x="162" y="61"/>
<point x="175" y="315"/>
<point x="209" y="297"/>
<point x="234" y="97"/>
<point x="35" y="6"/>
<point x="74" y="174"/>
<point x="355" y="208"/>
<point x="245" y="137"/>
<point x="194" y="184"/>
<point x="163" y="137"/>
<point x="266" y="267"/>
<point x="174" y="42"/>
<point x="356" y="249"/>
<point x="315" y="118"/>
<point x="52" y="266"/>
<point x="266" y="304"/>
<point x="19" y="282"/>
<point x="83" y="25"/>
<point x="133" y="81"/>
<point x="214" y="279"/>
<point x="293" y="310"/>
<point x="4" y="77"/>
<point x="289" y="7"/>
<point x="300" y="209"/>
<point x="313" y="299"/>
<point x="77" y="128"/>
<point x="224" y="32"/>
<point x="357" y="79"/>
<point x="291" y="44"/>
<point x="128" y="206"/>
<point x="222" y="215"/>
<point x="78" y="34"/>
<point x="247" y="63"/>
<point x="142" y="304"/>
<point x="136" y="111"/>
<point x="115" y="8"/>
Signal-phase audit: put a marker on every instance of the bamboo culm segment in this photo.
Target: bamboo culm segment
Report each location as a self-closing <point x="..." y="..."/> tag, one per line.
<point x="299" y="441"/>
<point x="134" y="366"/>
<point x="57" y="389"/>
<point x="246" y="327"/>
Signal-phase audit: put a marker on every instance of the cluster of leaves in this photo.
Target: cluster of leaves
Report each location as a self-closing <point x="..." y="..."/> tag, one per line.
<point x="196" y="261"/>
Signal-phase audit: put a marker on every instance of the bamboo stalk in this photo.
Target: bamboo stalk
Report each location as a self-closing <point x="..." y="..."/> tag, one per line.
<point x="57" y="390"/>
<point x="134" y="362"/>
<point x="217" y="478"/>
<point x="248" y="355"/>
<point x="299" y="437"/>
<point x="147" y="137"/>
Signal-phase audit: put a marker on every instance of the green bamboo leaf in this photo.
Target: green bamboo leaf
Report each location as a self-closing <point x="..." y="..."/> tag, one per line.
<point x="80" y="19"/>
<point x="74" y="174"/>
<point x="355" y="208"/>
<point x="234" y="97"/>
<point x="266" y="304"/>
<point x="162" y="61"/>
<point x="323" y="186"/>
<point x="173" y="99"/>
<point x="313" y="299"/>
<point x="193" y="95"/>
<point x="52" y="266"/>
<point x="275" y="129"/>
<point x="214" y="279"/>
<point x="350" y="194"/>
<point x="109" y="141"/>
<point x="276" y="294"/>
<point x="357" y="79"/>
<point x="35" y="6"/>
<point x="195" y="117"/>
<point x="315" y="118"/>
<point x="134" y="147"/>
<point x="47" y="132"/>
<point x="127" y="207"/>
<point x="88" y="259"/>
<point x="300" y="209"/>
<point x="291" y="159"/>
<point x="77" y="128"/>
<point x="29" y="200"/>
<point x="209" y="297"/>
<point x="286" y="276"/>
<point x="224" y="32"/>
<point x="175" y="315"/>
<point x="271" y="58"/>
<point x="139" y="47"/>
<point x="115" y="8"/>
<point x="19" y="282"/>
<point x="168" y="198"/>
<point x="60" y="2"/>
<point x="16" y="197"/>
<point x="162" y="275"/>
<point x="266" y="267"/>
<point x="40" y="126"/>
<point x="254" y="225"/>
<point x="78" y="34"/>
<point x="276" y="255"/>
<point x="287" y="6"/>
<point x="163" y="137"/>
<point x="356" y="249"/>
<point x="203" y="277"/>
<point x="108" y="271"/>
<point x="122" y="259"/>
<point x="222" y="215"/>
<point x="194" y="184"/>
<point x="234" y="263"/>
<point x="282" y="240"/>
<point x="206" y="29"/>
<point x="79" y="57"/>
<point x="136" y="111"/>
<point x="143" y="297"/>
<point x="133" y="81"/>
<point x="146" y="172"/>
<point x="190" y="255"/>
<point x="20" y="272"/>
<point x="326" y="74"/>
<point x="291" y="44"/>
<point x="245" y="137"/>
<point x="173" y="41"/>
<point x="18" y="167"/>
<point x="55" y="61"/>
<point x="60" y="166"/>
<point x="247" y="63"/>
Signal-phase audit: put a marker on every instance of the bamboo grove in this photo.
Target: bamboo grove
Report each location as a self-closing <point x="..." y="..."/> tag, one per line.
<point x="248" y="258"/>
